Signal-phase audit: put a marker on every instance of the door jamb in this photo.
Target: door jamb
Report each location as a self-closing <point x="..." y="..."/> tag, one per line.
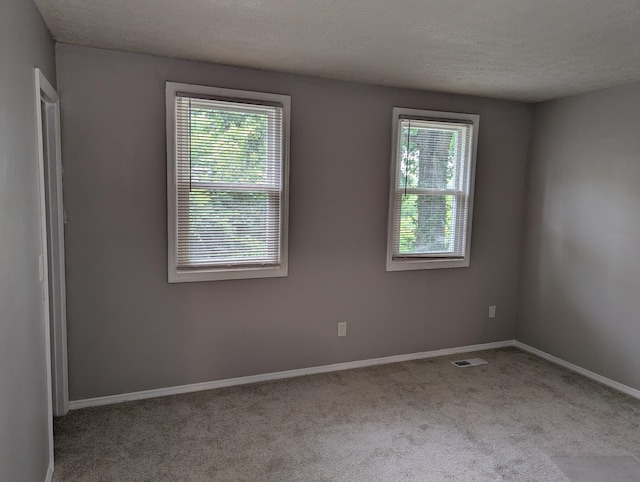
<point x="56" y="337"/>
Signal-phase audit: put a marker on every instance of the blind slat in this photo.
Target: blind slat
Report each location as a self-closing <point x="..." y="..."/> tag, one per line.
<point x="229" y="161"/>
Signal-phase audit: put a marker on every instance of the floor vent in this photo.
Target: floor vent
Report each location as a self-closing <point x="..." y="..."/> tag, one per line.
<point x="471" y="362"/>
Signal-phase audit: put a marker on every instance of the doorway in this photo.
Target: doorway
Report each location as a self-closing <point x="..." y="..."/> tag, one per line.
<point x="52" y="225"/>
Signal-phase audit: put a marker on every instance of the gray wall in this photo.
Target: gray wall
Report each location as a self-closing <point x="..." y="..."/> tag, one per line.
<point x="129" y="330"/>
<point x="24" y="44"/>
<point x="580" y="290"/>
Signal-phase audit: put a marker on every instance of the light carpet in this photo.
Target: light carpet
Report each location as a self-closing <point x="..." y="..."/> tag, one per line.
<point x="411" y="421"/>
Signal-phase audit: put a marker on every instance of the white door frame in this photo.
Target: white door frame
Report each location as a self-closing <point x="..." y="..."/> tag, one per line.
<point x="53" y="265"/>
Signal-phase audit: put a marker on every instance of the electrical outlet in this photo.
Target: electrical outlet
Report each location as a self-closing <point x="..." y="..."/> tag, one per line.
<point x="342" y="328"/>
<point x="492" y="311"/>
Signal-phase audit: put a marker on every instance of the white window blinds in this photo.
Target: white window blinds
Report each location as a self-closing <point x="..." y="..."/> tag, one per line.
<point x="430" y="197"/>
<point x="228" y="183"/>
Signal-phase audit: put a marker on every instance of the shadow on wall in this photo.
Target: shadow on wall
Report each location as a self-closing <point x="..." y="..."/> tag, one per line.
<point x="582" y="295"/>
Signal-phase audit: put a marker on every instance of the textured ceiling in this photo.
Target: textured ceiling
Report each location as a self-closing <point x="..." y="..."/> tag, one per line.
<point x="527" y="50"/>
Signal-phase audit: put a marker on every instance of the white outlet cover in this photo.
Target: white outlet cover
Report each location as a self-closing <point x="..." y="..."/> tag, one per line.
<point x="342" y="328"/>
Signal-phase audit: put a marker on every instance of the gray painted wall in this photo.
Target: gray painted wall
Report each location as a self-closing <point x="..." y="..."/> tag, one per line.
<point x="130" y="330"/>
<point x="24" y="445"/>
<point x="580" y="290"/>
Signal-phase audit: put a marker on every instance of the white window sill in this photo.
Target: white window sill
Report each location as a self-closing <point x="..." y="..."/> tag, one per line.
<point x="186" y="276"/>
<point x="426" y="263"/>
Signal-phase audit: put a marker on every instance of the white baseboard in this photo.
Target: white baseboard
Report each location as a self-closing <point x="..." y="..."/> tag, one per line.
<point x="229" y="382"/>
<point x="582" y="371"/>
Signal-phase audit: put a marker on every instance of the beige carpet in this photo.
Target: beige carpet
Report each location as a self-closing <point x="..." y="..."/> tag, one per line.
<point x="419" y="420"/>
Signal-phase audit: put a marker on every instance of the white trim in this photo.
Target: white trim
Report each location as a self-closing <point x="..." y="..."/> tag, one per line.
<point x="229" y="382"/>
<point x="175" y="275"/>
<point x="429" y="262"/>
<point x="49" y="475"/>
<point x="54" y="206"/>
<point x="575" y="368"/>
<point x="60" y="324"/>
<point x="42" y="86"/>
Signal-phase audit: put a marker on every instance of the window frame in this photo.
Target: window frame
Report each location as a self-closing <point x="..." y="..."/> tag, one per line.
<point x="176" y="275"/>
<point x="428" y="260"/>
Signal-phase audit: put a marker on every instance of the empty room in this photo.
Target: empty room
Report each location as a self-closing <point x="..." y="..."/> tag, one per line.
<point x="359" y="240"/>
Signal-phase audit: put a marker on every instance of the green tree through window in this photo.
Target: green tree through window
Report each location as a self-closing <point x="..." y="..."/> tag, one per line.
<point x="229" y="149"/>
<point x="427" y="162"/>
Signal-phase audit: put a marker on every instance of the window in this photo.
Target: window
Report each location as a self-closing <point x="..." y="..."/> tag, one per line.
<point x="227" y="174"/>
<point x="431" y="195"/>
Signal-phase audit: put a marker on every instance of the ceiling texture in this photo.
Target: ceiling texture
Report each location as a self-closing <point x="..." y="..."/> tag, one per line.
<point x="526" y="50"/>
